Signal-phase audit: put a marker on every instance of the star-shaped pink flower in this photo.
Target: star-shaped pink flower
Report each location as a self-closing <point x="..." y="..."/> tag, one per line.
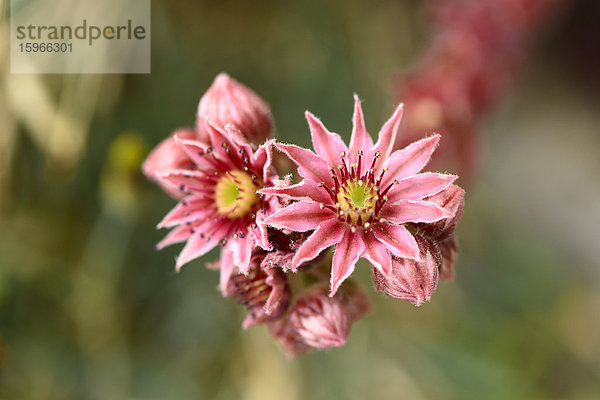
<point x="359" y="198"/>
<point x="220" y="203"/>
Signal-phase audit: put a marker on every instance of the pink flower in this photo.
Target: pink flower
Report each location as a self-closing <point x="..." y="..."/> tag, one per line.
<point x="359" y="198"/>
<point x="220" y="204"/>
<point x="412" y="280"/>
<point x="228" y="101"/>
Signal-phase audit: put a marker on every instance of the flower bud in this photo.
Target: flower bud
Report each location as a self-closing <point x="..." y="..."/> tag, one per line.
<point x="414" y="281"/>
<point x="168" y="156"/>
<point x="228" y="101"/>
<point x="264" y="292"/>
<point x="320" y="321"/>
<point x="452" y="199"/>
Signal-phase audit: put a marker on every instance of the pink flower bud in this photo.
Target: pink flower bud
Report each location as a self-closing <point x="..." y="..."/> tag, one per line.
<point x="320" y="321"/>
<point x="414" y="281"/>
<point x="228" y="101"/>
<point x="451" y="199"/>
<point x="168" y="156"/>
<point x="264" y="292"/>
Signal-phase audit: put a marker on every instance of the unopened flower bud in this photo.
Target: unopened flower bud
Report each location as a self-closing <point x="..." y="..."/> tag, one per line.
<point x="264" y="292"/>
<point x="452" y="199"/>
<point x="414" y="281"/>
<point x="169" y="156"/>
<point x="320" y="321"/>
<point x="229" y="102"/>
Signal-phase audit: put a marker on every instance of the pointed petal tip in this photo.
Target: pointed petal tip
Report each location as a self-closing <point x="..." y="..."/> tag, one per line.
<point x="222" y="78"/>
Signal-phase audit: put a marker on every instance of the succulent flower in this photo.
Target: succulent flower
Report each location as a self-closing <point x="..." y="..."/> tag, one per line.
<point x="359" y="198"/>
<point x="412" y="280"/>
<point x="228" y="101"/>
<point x="220" y="204"/>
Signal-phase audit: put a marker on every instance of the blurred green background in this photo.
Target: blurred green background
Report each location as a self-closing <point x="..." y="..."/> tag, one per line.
<point x="89" y="309"/>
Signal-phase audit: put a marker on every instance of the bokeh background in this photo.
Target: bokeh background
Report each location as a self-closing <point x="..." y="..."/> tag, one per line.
<point x="90" y="310"/>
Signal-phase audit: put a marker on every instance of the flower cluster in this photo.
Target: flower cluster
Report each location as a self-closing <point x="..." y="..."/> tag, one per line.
<point x="476" y="53"/>
<point x="361" y="201"/>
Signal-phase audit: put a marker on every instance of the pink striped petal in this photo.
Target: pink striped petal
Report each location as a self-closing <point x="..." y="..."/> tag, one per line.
<point x="387" y="134"/>
<point x="237" y="137"/>
<point x="190" y="209"/>
<point x="260" y="232"/>
<point x="300" y="217"/>
<point x="418" y="186"/>
<point x="188" y="180"/>
<point x="413" y="211"/>
<point x="263" y="157"/>
<point x="310" y="166"/>
<point x="377" y="253"/>
<point x="398" y="240"/>
<point x="242" y="251"/>
<point x="177" y="235"/>
<point x="199" y="244"/>
<point x="346" y="254"/>
<point x="328" y="233"/>
<point x="410" y="160"/>
<point x="327" y="145"/>
<point x="305" y="190"/>
<point x="360" y="140"/>
<point x="196" y="151"/>
<point x="227" y="267"/>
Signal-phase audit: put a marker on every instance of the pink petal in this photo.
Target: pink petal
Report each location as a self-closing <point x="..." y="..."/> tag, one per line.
<point x="242" y="251"/>
<point x="305" y="190"/>
<point x="328" y="233"/>
<point x="192" y="208"/>
<point x="388" y="132"/>
<point x="410" y="160"/>
<point x="260" y="232"/>
<point x="377" y="254"/>
<point x="177" y="235"/>
<point x="327" y="145"/>
<point x="227" y="267"/>
<point x="360" y="140"/>
<point x="196" y="151"/>
<point x="347" y="252"/>
<point x="263" y="157"/>
<point x="200" y="243"/>
<point x="238" y="137"/>
<point x="188" y="180"/>
<point x="301" y="217"/>
<point x="413" y="211"/>
<point x="397" y="239"/>
<point x="310" y="166"/>
<point x="418" y="186"/>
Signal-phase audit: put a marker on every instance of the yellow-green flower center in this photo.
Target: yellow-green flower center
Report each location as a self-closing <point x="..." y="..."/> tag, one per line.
<point x="357" y="199"/>
<point x="235" y="194"/>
